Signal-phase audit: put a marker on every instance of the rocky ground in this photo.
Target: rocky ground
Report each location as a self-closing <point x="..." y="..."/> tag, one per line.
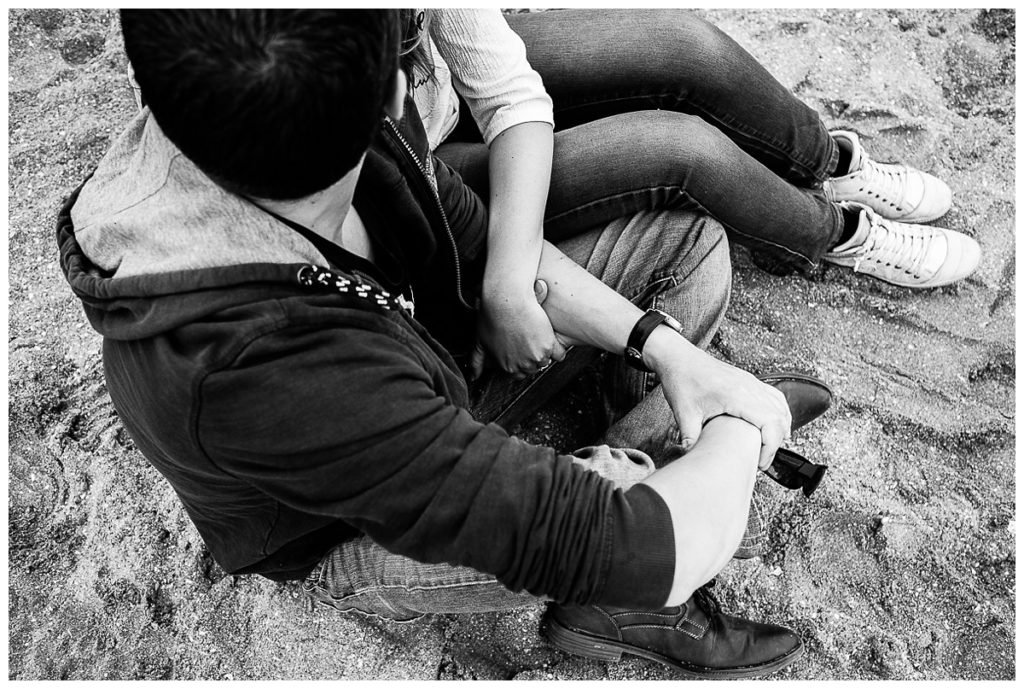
<point x="901" y="566"/>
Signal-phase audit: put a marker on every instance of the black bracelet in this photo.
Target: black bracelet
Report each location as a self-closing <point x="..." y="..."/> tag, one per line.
<point x="634" y="352"/>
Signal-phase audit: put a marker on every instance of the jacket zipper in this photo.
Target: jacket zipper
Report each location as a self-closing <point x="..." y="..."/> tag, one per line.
<point x="437" y="203"/>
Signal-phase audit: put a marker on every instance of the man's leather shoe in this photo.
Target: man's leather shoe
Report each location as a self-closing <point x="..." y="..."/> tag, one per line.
<point x="808" y="397"/>
<point x="695" y="638"/>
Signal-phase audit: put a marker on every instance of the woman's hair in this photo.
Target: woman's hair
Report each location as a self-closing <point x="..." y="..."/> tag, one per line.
<point x="416" y="59"/>
<point x="276" y="104"/>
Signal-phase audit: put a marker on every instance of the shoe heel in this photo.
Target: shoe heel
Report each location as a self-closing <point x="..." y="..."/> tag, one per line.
<point x="569" y="641"/>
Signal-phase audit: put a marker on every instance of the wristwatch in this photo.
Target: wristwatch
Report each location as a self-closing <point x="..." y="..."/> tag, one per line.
<point x="634" y="352"/>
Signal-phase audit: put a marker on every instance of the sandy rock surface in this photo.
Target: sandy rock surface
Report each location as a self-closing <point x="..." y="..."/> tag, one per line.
<point x="901" y="566"/>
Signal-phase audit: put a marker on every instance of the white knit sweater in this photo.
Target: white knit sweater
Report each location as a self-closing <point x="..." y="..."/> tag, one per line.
<point x="477" y="54"/>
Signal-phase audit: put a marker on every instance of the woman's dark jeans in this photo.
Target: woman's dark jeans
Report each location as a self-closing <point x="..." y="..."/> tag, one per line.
<point x="658" y="109"/>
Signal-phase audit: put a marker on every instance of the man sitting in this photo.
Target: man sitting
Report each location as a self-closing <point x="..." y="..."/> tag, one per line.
<point x="285" y="281"/>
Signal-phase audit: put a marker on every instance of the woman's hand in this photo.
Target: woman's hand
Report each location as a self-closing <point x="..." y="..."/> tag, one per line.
<point x="516" y="331"/>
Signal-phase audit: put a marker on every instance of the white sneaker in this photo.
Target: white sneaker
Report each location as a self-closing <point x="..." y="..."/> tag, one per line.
<point x="904" y="254"/>
<point x="896" y="192"/>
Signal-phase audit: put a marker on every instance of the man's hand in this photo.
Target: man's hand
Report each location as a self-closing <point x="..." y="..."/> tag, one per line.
<point x="699" y="387"/>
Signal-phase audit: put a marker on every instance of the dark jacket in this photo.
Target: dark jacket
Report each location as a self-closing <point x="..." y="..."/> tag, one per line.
<point x="290" y="416"/>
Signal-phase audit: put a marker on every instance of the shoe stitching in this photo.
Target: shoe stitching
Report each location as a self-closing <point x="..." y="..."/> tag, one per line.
<point x="702" y="627"/>
<point x="611" y="619"/>
<point x="675" y="628"/>
<point x="644" y="612"/>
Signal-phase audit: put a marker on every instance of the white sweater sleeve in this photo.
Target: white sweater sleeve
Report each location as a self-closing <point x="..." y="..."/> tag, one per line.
<point x="490" y="70"/>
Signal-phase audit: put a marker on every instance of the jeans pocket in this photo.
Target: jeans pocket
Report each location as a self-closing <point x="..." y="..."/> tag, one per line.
<point x="653" y="288"/>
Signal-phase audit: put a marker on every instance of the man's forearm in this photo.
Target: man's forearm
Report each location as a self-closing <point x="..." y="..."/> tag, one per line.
<point x="708" y="491"/>
<point x="697" y="386"/>
<point x="708" y="495"/>
<point x="584" y="310"/>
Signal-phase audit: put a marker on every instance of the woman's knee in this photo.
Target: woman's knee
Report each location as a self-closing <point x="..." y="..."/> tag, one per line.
<point x="676" y="26"/>
<point x="661" y="146"/>
<point x="680" y="140"/>
<point x="676" y="38"/>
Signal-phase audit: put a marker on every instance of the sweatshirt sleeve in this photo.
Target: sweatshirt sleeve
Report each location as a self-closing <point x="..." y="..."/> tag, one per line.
<point x="350" y="424"/>
<point x="490" y="69"/>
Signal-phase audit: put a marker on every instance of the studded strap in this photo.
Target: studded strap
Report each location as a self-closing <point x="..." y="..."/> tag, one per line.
<point x="344" y="283"/>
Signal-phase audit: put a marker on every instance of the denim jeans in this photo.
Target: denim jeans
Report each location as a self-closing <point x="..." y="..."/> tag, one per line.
<point x="658" y="109"/>
<point x="676" y="260"/>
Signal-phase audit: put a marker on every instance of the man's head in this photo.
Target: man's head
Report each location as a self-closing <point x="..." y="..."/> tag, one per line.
<point x="276" y="104"/>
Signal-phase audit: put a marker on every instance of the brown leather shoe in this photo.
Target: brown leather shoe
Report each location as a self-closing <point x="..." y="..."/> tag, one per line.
<point x="808" y="397"/>
<point x="695" y="638"/>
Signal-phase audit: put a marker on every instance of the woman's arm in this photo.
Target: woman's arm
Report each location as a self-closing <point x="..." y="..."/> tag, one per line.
<point x="514" y="327"/>
<point x="490" y="70"/>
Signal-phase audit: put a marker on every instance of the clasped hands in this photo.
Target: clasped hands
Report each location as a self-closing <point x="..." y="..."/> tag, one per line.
<point x="698" y="387"/>
<point x="518" y="334"/>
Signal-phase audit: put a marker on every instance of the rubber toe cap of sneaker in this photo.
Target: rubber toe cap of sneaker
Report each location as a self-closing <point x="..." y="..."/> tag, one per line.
<point x="962" y="258"/>
<point x="936" y="200"/>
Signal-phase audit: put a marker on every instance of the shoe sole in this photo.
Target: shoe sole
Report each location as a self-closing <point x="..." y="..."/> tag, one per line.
<point x="769" y="378"/>
<point x="598" y="648"/>
<point x="931" y="284"/>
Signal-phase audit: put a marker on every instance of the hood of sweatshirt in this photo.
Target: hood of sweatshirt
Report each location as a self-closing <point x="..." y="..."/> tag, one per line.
<point x="149" y="242"/>
<point x="148" y="226"/>
<point x="148" y="210"/>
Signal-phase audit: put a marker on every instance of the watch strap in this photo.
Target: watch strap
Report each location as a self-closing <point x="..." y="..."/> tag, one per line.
<point x="634" y="351"/>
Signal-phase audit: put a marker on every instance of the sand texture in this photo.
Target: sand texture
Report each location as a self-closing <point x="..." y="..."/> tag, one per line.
<point x="901" y="566"/>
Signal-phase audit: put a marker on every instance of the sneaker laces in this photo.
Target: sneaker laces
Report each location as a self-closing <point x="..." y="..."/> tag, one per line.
<point x="891" y="180"/>
<point x="888" y="245"/>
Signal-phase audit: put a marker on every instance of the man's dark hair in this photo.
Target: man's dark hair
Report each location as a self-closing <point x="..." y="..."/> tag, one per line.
<point x="270" y="103"/>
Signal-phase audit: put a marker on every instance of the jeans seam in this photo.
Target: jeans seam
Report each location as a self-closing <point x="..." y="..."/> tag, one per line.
<point x="612" y="197"/>
<point x="808" y="168"/>
<point x="815" y="170"/>
<point x="606" y="98"/>
<point x="384" y="601"/>
<point x="418" y="588"/>
<point x="370" y="614"/>
<point x="699" y="206"/>
<point x="730" y="228"/>
<point x="818" y="171"/>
